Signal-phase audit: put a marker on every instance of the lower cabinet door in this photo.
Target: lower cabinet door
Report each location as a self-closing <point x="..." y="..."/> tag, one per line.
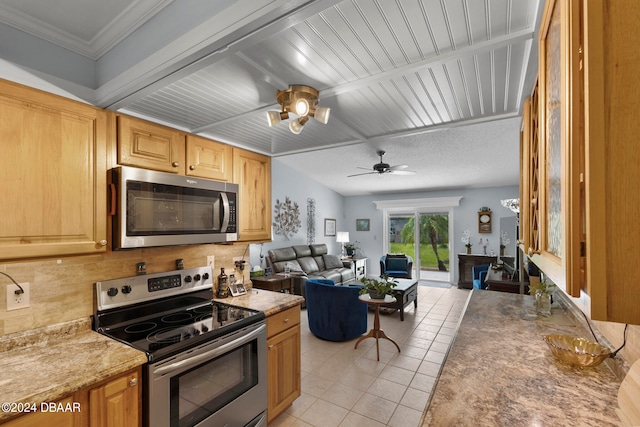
<point x="283" y="371"/>
<point x="116" y="403"/>
<point x="47" y="417"/>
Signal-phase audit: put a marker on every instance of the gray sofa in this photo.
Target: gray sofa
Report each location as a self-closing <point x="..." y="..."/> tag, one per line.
<point x="310" y="262"/>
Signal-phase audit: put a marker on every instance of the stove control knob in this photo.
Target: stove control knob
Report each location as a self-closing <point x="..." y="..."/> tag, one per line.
<point x="112" y="292"/>
<point x="196" y="277"/>
<point x="126" y="289"/>
<point x="205" y="276"/>
<point x="187" y="279"/>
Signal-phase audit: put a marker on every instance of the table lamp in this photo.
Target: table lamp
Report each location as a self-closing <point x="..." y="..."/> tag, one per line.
<point x="342" y="237"/>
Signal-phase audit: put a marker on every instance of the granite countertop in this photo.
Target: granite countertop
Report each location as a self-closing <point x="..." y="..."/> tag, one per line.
<point x="500" y="372"/>
<point x="263" y="300"/>
<point x="48" y="364"/>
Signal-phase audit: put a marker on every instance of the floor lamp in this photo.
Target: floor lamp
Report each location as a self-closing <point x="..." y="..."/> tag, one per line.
<point x="342" y="237"/>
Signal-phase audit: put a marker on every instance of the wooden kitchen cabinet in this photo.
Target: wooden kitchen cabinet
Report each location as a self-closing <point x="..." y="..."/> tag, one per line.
<point x="283" y="361"/>
<point x="252" y="172"/>
<point x="148" y="145"/>
<point x="151" y="146"/>
<point x="117" y="402"/>
<point x="209" y="159"/>
<point x="48" y="418"/>
<point x="589" y="94"/>
<point x="53" y="174"/>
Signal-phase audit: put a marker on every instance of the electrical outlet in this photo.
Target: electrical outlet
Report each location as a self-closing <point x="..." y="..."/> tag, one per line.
<point x="211" y="261"/>
<point x="17" y="301"/>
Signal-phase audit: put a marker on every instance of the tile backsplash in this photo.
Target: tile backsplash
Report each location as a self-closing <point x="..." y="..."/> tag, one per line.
<point x="62" y="289"/>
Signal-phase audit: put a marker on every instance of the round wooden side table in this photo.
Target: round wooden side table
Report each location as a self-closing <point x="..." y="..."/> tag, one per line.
<point x="376" y="332"/>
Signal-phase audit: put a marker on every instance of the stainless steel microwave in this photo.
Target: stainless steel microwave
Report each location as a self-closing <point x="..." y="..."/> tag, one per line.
<point x="153" y="208"/>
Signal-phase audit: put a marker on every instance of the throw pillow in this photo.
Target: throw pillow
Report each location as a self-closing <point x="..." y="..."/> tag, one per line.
<point x="331" y="261"/>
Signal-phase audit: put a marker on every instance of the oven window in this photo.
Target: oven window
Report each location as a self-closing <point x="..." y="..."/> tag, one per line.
<point x="199" y="392"/>
<point x="155" y="209"/>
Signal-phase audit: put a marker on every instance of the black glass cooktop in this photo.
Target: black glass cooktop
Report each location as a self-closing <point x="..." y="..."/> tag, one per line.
<point x="174" y="330"/>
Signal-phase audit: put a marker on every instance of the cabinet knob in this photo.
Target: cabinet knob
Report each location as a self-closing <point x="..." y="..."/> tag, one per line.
<point x="133" y="381"/>
<point x="103" y="242"/>
<point x="271" y="346"/>
<point x="286" y="320"/>
<point x="175" y="164"/>
<point x="192" y="167"/>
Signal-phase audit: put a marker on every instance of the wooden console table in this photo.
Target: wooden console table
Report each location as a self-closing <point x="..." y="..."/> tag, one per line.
<point x="466" y="263"/>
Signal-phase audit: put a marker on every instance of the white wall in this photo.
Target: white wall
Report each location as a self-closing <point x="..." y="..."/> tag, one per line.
<point x="464" y="217"/>
<point x="286" y="182"/>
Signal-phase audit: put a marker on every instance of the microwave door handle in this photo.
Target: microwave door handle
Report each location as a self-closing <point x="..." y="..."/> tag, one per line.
<point x="225" y="210"/>
<point x="212" y="353"/>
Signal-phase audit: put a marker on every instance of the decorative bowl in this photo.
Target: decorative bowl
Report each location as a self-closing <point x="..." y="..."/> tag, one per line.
<point x="576" y="351"/>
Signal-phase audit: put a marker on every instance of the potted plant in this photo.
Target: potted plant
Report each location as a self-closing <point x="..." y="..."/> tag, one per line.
<point x="543" y="292"/>
<point x="466" y="239"/>
<point x="377" y="288"/>
<point x="351" y="248"/>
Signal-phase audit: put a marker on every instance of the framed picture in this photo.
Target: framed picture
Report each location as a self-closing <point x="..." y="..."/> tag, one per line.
<point x="237" y="288"/>
<point x="362" y="224"/>
<point x="329" y="227"/>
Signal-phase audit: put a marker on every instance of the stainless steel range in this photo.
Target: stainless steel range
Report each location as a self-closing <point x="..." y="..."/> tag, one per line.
<point x="207" y="360"/>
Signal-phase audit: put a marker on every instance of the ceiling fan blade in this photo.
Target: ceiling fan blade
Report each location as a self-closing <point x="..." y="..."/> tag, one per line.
<point x="366" y="169"/>
<point x="397" y="172"/>
<point x="358" y="174"/>
<point x="396" y="167"/>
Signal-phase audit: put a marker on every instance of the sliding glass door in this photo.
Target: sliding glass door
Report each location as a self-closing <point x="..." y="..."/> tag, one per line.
<point x="431" y="254"/>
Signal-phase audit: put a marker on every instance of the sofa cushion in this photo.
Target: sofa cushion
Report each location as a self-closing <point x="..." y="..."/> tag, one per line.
<point x="282" y="254"/>
<point x="320" y="262"/>
<point x="331" y="261"/>
<point x="302" y="251"/>
<point x="331" y="275"/>
<point x="308" y="264"/>
<point x="348" y="276"/>
<point x="319" y="250"/>
<point x="397" y="264"/>
<point x="294" y="266"/>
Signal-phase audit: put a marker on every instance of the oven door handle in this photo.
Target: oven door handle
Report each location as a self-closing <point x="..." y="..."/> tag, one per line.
<point x="212" y="353"/>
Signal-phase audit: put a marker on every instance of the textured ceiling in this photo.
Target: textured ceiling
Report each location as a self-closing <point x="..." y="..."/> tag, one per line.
<point x="437" y="84"/>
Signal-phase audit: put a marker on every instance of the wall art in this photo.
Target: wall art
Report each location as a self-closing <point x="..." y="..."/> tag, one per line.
<point x="311" y="221"/>
<point x="286" y="221"/>
<point x="329" y="227"/>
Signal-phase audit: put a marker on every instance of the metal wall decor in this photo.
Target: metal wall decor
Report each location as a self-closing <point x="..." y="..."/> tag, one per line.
<point x="311" y="221"/>
<point x="286" y="219"/>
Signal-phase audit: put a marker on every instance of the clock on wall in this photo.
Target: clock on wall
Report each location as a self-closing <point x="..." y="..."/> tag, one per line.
<point x="484" y="222"/>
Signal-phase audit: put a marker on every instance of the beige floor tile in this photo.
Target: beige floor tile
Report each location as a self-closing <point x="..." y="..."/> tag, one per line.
<point x="397" y="375"/>
<point x="387" y="389"/>
<point x="414" y="398"/>
<point x="342" y="395"/>
<point x="375" y="407"/>
<point x="324" y="414"/>
<point x="403" y="417"/>
<point x="405" y="362"/>
<point x="315" y="385"/>
<point x="356" y="420"/>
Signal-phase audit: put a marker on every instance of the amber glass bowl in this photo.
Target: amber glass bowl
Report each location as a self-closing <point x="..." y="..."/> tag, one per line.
<point x="576" y="351"/>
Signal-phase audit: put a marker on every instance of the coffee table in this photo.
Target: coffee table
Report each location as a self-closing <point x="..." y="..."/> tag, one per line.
<point x="406" y="292"/>
<point x="276" y="282"/>
<point x="376" y="332"/>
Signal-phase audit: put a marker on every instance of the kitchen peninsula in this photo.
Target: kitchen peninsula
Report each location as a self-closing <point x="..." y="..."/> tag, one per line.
<point x="500" y="372"/>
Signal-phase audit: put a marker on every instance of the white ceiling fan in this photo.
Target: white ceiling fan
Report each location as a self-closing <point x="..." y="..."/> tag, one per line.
<point x="381" y="168"/>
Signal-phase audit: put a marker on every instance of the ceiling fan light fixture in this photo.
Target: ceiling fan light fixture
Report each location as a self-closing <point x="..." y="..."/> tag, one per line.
<point x="299" y="100"/>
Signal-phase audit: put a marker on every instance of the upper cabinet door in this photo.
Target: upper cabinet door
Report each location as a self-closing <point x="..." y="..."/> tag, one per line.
<point x="147" y="145"/>
<point x="209" y="159"/>
<point x="53" y="174"/>
<point x="559" y="105"/>
<point x="252" y="172"/>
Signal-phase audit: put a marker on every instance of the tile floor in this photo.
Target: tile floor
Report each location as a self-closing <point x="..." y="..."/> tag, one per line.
<point x="343" y="386"/>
